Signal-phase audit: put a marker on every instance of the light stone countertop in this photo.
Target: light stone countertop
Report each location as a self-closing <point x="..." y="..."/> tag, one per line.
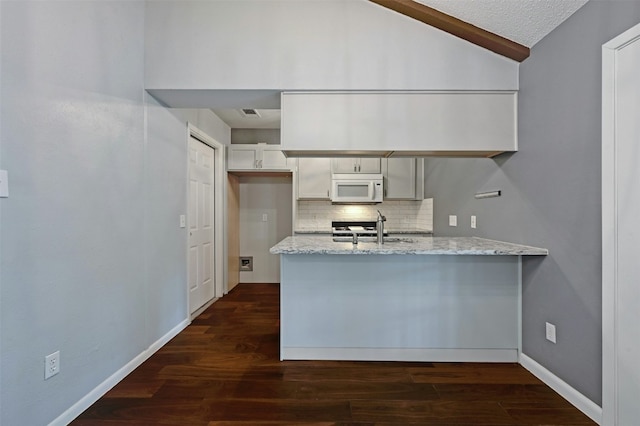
<point x="317" y="244"/>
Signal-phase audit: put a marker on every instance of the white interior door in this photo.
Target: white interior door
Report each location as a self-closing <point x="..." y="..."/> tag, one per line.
<point x="620" y="233"/>
<point x="201" y="219"/>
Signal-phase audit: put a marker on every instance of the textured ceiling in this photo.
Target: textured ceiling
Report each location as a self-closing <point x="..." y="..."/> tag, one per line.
<point x="524" y="21"/>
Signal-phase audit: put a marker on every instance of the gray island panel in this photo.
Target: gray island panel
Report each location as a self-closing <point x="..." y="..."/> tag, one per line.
<point x="461" y="302"/>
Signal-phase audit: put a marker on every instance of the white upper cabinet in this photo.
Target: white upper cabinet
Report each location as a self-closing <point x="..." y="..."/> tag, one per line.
<point x="273" y="158"/>
<point x="356" y="165"/>
<point x="407" y="124"/>
<point x="242" y="157"/>
<point x="256" y="157"/>
<point x="314" y="178"/>
<point x="403" y="178"/>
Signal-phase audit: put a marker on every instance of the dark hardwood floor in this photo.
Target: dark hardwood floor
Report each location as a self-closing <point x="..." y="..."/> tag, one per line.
<point x="224" y="370"/>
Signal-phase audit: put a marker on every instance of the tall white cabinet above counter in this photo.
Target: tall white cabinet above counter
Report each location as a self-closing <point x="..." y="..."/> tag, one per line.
<point x="314" y="178"/>
<point x="403" y="178"/>
<point x="403" y="124"/>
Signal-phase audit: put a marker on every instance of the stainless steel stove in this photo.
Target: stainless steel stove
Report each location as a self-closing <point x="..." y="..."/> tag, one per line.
<point x="344" y="230"/>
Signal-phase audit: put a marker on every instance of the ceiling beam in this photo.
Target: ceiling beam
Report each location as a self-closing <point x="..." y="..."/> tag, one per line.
<point x="458" y="28"/>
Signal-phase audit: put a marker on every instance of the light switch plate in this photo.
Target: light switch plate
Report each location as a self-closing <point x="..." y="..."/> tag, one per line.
<point x="473" y="222"/>
<point x="453" y="220"/>
<point x="183" y="221"/>
<point x="4" y="183"/>
<point x="550" y="330"/>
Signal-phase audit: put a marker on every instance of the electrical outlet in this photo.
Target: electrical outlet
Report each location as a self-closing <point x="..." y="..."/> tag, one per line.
<point x="453" y="220"/>
<point x="473" y="221"/>
<point x="51" y="364"/>
<point x="265" y="217"/>
<point x="183" y="221"/>
<point x="551" y="332"/>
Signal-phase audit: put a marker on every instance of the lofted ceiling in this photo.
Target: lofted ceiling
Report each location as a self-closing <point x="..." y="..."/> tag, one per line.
<point x="523" y="22"/>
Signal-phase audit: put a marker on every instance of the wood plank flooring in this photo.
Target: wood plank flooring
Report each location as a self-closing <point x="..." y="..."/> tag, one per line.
<point x="224" y="370"/>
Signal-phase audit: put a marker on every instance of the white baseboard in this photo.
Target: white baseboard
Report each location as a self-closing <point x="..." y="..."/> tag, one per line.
<point x="581" y="402"/>
<point x="203" y="308"/>
<point x="78" y="408"/>
<point x="400" y="354"/>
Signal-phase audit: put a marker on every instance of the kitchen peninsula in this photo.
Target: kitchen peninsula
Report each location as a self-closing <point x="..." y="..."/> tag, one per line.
<point x="410" y="299"/>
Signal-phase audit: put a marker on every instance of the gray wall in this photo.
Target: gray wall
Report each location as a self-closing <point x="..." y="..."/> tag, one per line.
<point x="308" y="45"/>
<point x="268" y="136"/>
<point x="270" y="195"/>
<point x="93" y="262"/>
<point x="551" y="192"/>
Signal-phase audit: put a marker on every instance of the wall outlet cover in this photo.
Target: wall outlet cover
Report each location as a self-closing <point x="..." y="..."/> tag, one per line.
<point x="453" y="220"/>
<point x="51" y="364"/>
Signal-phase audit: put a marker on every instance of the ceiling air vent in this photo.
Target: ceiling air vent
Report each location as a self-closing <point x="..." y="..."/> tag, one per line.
<point x="250" y="112"/>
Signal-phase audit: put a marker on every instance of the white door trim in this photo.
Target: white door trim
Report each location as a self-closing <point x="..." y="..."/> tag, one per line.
<point x="609" y="224"/>
<point x="218" y="211"/>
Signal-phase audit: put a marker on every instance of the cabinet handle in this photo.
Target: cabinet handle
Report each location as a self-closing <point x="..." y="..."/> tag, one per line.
<point x="355" y="168"/>
<point x="359" y="167"/>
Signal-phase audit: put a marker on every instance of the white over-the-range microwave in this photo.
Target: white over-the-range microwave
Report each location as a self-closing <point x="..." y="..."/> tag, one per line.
<point x="356" y="188"/>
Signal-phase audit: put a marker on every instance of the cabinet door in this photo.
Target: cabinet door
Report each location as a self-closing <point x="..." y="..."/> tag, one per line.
<point x="272" y="158"/>
<point x="344" y="165"/>
<point x="242" y="157"/>
<point x="422" y="122"/>
<point x="356" y="165"/>
<point x="399" y="178"/>
<point x="369" y="165"/>
<point x="314" y="178"/>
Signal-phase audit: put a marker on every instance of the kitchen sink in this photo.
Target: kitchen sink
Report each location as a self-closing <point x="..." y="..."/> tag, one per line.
<point x="400" y="240"/>
<point x="391" y="240"/>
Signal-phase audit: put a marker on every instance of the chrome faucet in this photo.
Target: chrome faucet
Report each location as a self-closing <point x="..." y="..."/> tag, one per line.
<point x="380" y="228"/>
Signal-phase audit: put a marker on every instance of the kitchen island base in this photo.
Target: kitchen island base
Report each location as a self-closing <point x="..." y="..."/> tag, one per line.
<point x="462" y="308"/>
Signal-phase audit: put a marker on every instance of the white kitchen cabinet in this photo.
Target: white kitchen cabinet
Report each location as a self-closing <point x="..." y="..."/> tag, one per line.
<point x="356" y="165"/>
<point x="273" y="158"/>
<point x="256" y="157"/>
<point x="314" y="178"/>
<point x="399" y="124"/>
<point x="399" y="178"/>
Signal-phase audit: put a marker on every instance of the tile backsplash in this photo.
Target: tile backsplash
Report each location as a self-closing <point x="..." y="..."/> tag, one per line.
<point x="401" y="215"/>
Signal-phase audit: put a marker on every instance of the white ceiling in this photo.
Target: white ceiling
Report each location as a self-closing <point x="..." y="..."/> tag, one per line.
<point x="524" y="21"/>
<point x="269" y="118"/>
